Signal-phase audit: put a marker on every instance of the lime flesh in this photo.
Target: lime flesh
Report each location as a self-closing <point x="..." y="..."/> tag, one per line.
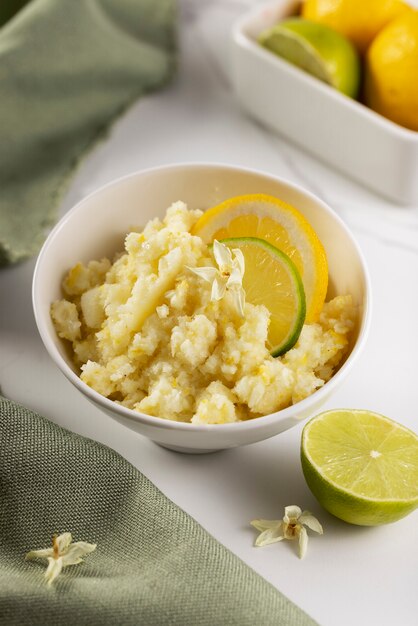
<point x="361" y="466"/>
<point x="318" y="50"/>
<point x="271" y="279"/>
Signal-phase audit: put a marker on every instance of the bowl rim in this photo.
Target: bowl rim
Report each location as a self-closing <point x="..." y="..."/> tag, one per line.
<point x="242" y="39"/>
<point x="162" y="423"/>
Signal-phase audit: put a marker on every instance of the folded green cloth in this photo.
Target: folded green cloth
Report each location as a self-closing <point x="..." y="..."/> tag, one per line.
<point x="153" y="566"/>
<point x="67" y="69"/>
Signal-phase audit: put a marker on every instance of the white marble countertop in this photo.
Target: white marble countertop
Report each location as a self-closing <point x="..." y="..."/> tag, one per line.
<point x="351" y="575"/>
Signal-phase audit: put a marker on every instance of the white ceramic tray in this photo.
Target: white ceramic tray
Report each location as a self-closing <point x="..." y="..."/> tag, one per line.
<point x="340" y="131"/>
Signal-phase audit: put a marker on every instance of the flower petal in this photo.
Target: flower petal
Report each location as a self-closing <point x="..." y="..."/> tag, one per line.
<point x="238" y="298"/>
<point x="272" y="535"/>
<point x="218" y="288"/>
<point x="44" y="553"/>
<point x="265" y="524"/>
<point x="63" y="541"/>
<point x="311" y="522"/>
<point x="54" y="569"/>
<point x="239" y="260"/>
<point x="83" y="545"/>
<point x="235" y="278"/>
<point x="303" y="541"/>
<point x="206" y="273"/>
<point x="222" y="254"/>
<point x="242" y="299"/>
<point x="76" y="551"/>
<point x="291" y="513"/>
<point x="69" y="560"/>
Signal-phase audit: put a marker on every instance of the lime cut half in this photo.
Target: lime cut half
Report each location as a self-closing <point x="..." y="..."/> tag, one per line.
<point x="361" y="466"/>
<point x="271" y="279"/>
<point x="318" y="50"/>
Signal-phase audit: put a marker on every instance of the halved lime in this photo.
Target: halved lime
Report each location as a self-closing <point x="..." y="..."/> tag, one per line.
<point x="318" y="50"/>
<point x="361" y="466"/>
<point x="271" y="278"/>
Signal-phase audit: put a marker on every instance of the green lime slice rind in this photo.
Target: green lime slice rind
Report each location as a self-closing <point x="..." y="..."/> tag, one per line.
<point x="271" y="279"/>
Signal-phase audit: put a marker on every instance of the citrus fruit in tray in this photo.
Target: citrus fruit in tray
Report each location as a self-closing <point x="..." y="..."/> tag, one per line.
<point x="280" y="224"/>
<point x="361" y="466"/>
<point x="391" y="81"/>
<point x="318" y="50"/>
<point x="271" y="279"/>
<point x="358" y="20"/>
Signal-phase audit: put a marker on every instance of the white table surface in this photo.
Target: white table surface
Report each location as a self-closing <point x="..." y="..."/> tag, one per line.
<point x="351" y="575"/>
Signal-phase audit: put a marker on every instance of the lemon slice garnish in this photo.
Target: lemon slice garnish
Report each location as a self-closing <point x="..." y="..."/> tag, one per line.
<point x="280" y="224"/>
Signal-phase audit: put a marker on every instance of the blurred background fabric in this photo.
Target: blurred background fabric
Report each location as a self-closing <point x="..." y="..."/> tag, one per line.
<point x="67" y="70"/>
<point x="8" y="8"/>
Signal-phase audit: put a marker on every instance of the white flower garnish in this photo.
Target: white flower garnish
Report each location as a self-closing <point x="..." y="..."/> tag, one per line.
<point x="62" y="553"/>
<point x="228" y="277"/>
<point x="292" y="526"/>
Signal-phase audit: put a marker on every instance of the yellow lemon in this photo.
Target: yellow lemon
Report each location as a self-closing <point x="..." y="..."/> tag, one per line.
<point x="391" y="84"/>
<point x="358" y="20"/>
<point x="283" y="226"/>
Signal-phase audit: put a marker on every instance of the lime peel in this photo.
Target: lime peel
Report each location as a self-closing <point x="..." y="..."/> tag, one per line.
<point x="317" y="49"/>
<point x="285" y="327"/>
<point x="296" y="50"/>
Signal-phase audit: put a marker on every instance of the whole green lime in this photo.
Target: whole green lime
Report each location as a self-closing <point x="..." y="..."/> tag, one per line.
<point x="318" y="50"/>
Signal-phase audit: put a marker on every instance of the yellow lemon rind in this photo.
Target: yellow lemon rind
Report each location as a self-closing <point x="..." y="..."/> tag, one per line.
<point x="315" y="268"/>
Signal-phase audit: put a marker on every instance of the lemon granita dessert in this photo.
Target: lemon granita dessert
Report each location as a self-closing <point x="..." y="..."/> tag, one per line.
<point x="184" y="326"/>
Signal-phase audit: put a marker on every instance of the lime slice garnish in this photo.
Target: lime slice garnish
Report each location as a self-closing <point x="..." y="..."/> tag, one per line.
<point x="361" y="466"/>
<point x="271" y="279"/>
<point x="318" y="50"/>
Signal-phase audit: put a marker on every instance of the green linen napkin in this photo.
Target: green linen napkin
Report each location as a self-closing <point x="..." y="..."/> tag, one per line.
<point x="68" y="68"/>
<point x="153" y="566"/>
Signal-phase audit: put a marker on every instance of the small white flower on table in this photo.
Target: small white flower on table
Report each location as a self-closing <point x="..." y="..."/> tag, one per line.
<point x="292" y="526"/>
<point x="61" y="554"/>
<point x="228" y="277"/>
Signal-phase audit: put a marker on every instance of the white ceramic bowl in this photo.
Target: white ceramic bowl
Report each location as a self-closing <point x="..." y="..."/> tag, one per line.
<point x="340" y="131"/>
<point x="96" y="227"/>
